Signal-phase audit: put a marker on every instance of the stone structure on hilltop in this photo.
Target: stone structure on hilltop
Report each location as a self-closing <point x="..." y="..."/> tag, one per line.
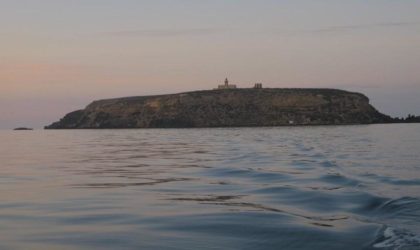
<point x="227" y="85"/>
<point x="233" y="86"/>
<point x="258" y="86"/>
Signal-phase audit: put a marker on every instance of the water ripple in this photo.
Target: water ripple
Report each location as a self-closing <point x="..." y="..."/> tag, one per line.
<point x="346" y="187"/>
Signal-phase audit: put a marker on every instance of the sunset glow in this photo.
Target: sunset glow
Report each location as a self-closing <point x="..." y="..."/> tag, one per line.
<point x="57" y="56"/>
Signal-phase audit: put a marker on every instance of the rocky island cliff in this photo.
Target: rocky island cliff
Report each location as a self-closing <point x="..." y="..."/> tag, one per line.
<point x="227" y="108"/>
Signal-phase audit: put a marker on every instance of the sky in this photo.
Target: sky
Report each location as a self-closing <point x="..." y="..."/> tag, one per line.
<point x="57" y="56"/>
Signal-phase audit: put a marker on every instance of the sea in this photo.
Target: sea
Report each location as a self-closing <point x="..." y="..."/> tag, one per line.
<point x="315" y="187"/>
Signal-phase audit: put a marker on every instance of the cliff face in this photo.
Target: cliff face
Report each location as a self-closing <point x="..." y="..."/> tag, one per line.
<point x="227" y="108"/>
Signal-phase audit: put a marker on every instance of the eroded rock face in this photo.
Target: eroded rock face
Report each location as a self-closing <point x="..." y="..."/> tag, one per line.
<point x="227" y="108"/>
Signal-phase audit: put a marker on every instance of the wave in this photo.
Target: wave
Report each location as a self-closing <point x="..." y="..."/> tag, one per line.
<point x="397" y="239"/>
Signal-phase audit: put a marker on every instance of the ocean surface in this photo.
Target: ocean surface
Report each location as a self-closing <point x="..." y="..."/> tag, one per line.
<point x="325" y="187"/>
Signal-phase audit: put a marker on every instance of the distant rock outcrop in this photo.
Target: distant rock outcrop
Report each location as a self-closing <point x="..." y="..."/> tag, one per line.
<point x="23" y="128"/>
<point x="227" y="108"/>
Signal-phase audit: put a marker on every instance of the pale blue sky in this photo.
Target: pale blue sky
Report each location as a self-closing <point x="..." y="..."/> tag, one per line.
<point x="58" y="55"/>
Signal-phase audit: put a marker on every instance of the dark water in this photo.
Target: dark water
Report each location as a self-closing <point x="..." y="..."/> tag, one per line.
<point x="348" y="187"/>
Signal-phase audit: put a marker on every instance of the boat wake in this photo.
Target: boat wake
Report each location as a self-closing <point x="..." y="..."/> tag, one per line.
<point x="397" y="239"/>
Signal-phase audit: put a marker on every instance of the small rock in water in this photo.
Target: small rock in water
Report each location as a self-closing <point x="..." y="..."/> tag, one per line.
<point x="23" y="128"/>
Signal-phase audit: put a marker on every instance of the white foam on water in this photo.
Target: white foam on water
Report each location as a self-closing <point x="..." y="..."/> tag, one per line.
<point x="398" y="239"/>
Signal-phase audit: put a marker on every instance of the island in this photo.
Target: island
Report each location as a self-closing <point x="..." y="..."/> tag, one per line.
<point x="227" y="106"/>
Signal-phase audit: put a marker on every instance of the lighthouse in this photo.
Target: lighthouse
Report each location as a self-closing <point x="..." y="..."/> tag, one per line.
<point x="227" y="85"/>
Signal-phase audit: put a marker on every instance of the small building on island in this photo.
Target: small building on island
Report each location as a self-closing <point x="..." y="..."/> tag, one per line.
<point x="227" y="85"/>
<point x="258" y="86"/>
<point x="233" y="86"/>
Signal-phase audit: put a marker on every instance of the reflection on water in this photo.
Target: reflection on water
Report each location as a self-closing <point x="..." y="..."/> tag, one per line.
<point x="346" y="187"/>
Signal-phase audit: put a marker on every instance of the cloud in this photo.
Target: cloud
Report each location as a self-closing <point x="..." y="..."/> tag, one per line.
<point x="163" y="32"/>
<point x="345" y="28"/>
<point x="210" y="31"/>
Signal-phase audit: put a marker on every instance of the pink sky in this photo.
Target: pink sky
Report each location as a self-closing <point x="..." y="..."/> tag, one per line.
<point x="57" y="56"/>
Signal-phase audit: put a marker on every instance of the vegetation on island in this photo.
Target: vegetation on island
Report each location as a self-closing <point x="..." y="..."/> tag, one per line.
<point x="409" y="119"/>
